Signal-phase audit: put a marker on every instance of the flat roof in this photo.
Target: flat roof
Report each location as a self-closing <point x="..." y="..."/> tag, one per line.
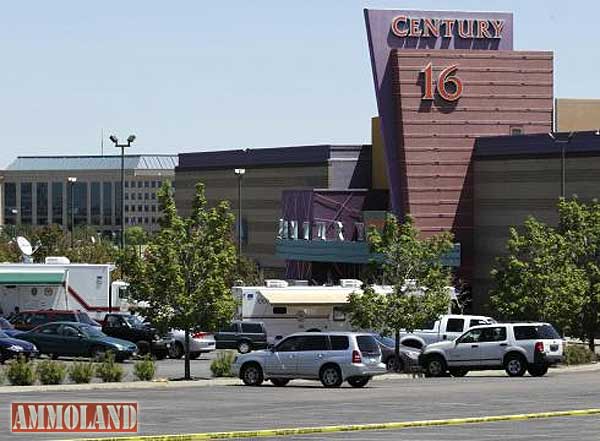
<point x="538" y="145"/>
<point x="308" y="154"/>
<point x="93" y="162"/>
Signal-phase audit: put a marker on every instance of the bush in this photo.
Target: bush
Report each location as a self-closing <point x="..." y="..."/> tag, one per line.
<point x="578" y="354"/>
<point x="109" y="371"/>
<point x="50" y="372"/>
<point x="81" y="372"/>
<point x="144" y="369"/>
<point x="20" y="372"/>
<point x="221" y="366"/>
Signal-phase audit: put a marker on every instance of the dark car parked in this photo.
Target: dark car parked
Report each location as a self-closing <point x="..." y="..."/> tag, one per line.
<point x="13" y="347"/>
<point x="77" y="340"/>
<point x="409" y="357"/>
<point x="243" y="336"/>
<point x="26" y="320"/>
<point x="132" y="328"/>
<point x="8" y="328"/>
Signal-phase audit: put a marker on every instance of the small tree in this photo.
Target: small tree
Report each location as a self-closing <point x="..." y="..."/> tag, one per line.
<point x="419" y="280"/>
<point x="187" y="269"/>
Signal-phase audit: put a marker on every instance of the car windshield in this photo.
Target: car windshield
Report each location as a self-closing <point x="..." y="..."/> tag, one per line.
<point x="5" y="324"/>
<point x="91" y="331"/>
<point x="367" y="344"/>
<point x="386" y="341"/>
<point x="134" y="320"/>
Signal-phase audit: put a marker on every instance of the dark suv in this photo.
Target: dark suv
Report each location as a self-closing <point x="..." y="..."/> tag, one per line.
<point x="243" y="336"/>
<point x="26" y="320"/>
<point x="134" y="329"/>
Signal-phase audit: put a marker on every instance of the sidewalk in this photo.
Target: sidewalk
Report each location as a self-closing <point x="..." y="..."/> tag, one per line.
<point x="207" y="382"/>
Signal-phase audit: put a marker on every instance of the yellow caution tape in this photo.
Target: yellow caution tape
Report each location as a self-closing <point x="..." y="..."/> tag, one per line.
<point x="262" y="433"/>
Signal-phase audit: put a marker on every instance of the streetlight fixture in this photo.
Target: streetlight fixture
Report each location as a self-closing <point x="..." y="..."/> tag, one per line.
<point x="72" y="180"/>
<point x="559" y="138"/>
<point x="122" y="146"/>
<point x="240" y="172"/>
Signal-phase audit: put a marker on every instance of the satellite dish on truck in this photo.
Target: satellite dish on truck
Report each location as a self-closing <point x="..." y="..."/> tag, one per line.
<point x="25" y="246"/>
<point x="26" y="249"/>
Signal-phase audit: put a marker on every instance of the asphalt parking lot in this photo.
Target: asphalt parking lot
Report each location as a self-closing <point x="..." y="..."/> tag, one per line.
<point x="236" y="407"/>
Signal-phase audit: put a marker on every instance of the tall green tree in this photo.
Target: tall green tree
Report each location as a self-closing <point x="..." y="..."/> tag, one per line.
<point x="413" y="267"/>
<point x="187" y="268"/>
<point x="553" y="273"/>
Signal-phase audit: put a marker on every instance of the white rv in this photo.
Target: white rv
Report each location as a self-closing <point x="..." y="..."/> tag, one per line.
<point x="287" y="309"/>
<point x="58" y="284"/>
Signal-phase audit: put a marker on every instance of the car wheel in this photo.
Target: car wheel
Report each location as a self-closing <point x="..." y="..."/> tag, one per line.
<point x="331" y="376"/>
<point x="244" y="347"/>
<point x="435" y="366"/>
<point x="394" y="364"/>
<point x="537" y="370"/>
<point x="358" y="381"/>
<point x="280" y="382"/>
<point x="176" y="350"/>
<point x="143" y="347"/>
<point x="53" y="356"/>
<point x="252" y="375"/>
<point x="195" y="355"/>
<point x="98" y="353"/>
<point x="515" y="365"/>
<point x="458" y="372"/>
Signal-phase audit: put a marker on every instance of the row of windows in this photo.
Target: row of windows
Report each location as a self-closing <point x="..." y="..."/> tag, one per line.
<point x="141" y="208"/>
<point x="142" y="184"/>
<point x="140" y="220"/>
<point x="146" y="196"/>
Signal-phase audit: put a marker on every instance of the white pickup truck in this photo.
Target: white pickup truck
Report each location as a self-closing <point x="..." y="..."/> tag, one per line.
<point x="448" y="327"/>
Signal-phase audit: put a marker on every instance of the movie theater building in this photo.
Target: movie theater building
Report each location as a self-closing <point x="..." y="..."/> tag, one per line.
<point x="443" y="81"/>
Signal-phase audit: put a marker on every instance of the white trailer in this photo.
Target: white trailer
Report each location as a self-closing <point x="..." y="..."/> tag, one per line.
<point x="287" y="309"/>
<point x="59" y="284"/>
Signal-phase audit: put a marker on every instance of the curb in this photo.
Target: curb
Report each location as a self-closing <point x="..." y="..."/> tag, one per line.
<point x="208" y="382"/>
<point x="347" y="428"/>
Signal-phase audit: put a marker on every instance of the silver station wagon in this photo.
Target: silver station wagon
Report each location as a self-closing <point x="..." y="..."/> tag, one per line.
<point x="331" y="357"/>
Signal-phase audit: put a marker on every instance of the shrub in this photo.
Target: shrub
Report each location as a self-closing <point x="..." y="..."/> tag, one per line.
<point x="81" y="372"/>
<point x="221" y="366"/>
<point x="20" y="372"/>
<point x="50" y="372"/>
<point x="144" y="369"/>
<point x="578" y="354"/>
<point x="109" y="371"/>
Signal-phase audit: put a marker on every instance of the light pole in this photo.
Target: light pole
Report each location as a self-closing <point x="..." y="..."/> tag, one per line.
<point x="15" y="212"/>
<point x="563" y="141"/>
<point x="72" y="180"/>
<point x="240" y="172"/>
<point x="115" y="140"/>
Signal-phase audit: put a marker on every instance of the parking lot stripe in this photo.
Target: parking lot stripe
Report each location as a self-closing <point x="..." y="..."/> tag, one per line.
<point x="262" y="433"/>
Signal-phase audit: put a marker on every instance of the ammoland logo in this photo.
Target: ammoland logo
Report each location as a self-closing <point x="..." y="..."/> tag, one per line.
<point x="74" y="417"/>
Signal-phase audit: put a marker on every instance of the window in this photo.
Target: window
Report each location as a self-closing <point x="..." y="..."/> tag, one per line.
<point x="290" y="344"/>
<point x="339" y="342"/>
<point x="69" y="331"/>
<point x="140" y="220"/>
<point x="279" y="310"/>
<point x="139" y="184"/>
<point x="232" y="327"/>
<point x="126" y="208"/>
<point x="139" y="207"/>
<point x="26" y="202"/>
<point x="470" y="337"/>
<point x="80" y="196"/>
<point x="146" y="208"/>
<point x="153" y="184"/>
<point x="57" y="203"/>
<point x="314" y="343"/>
<point x="455" y="325"/>
<point x="49" y="330"/>
<point x="126" y="184"/>
<point x="146" y="220"/>
<point x="146" y="184"/>
<point x="493" y="334"/>
<point x="113" y="321"/>
<point x="252" y="328"/>
<point x="10" y="203"/>
<point x="126" y="196"/>
<point x="139" y="196"/>
<point x="534" y="332"/>
<point x="153" y="196"/>
<point x="107" y="203"/>
<point x="477" y="322"/>
<point x="146" y="196"/>
<point x="133" y="196"/>
<point x="41" y="192"/>
<point x="367" y="344"/>
<point x="95" y="202"/>
<point x="154" y="209"/>
<point x="339" y="314"/>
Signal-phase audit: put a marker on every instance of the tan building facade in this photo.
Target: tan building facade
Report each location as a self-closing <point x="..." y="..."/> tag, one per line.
<point x="577" y="114"/>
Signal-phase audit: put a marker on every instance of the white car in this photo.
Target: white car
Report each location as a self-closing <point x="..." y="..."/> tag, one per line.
<point x="200" y="343"/>
<point x="514" y="347"/>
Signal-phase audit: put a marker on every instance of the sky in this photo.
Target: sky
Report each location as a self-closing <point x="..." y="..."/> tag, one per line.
<point x="199" y="75"/>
